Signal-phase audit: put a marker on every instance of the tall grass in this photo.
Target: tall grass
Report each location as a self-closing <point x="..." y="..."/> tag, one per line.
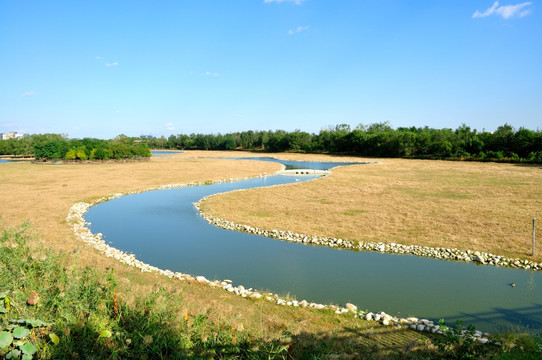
<point x="85" y="312"/>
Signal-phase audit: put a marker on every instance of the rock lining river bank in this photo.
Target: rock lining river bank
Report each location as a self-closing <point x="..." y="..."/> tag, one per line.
<point x="76" y="219"/>
<point x="479" y="257"/>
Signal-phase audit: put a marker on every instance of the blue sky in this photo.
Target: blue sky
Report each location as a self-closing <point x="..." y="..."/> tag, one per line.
<point x="102" y="68"/>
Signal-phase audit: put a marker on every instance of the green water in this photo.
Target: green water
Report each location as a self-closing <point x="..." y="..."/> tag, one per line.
<point x="162" y="228"/>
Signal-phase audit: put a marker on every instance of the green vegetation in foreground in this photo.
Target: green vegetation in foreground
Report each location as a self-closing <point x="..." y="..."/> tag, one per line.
<point x="51" y="309"/>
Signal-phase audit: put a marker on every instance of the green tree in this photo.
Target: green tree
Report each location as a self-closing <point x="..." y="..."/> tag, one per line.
<point x="71" y="154"/>
<point x="81" y="154"/>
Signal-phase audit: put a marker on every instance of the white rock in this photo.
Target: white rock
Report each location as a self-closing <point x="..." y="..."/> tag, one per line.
<point x="351" y="307"/>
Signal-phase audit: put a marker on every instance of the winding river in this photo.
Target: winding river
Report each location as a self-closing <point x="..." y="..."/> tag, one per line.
<point x="162" y="228"/>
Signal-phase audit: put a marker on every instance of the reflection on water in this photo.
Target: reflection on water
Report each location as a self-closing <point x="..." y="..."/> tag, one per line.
<point x="159" y="152"/>
<point x="292" y="165"/>
<point x="162" y="228"/>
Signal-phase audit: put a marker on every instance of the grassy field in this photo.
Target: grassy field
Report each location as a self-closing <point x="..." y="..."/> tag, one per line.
<point x="81" y="291"/>
<point x="464" y="205"/>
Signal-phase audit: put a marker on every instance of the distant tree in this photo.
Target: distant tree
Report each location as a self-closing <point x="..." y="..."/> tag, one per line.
<point x="229" y="143"/>
<point x="524" y="142"/>
<point x="52" y="149"/>
<point x="71" y="154"/>
<point x="379" y="127"/>
<point x="101" y="153"/>
<point x="277" y="141"/>
<point x="502" y="139"/>
<point x="298" y="140"/>
<point x="80" y="153"/>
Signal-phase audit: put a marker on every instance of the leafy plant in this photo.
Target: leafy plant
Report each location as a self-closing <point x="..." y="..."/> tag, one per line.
<point x="458" y="342"/>
<point x="14" y="338"/>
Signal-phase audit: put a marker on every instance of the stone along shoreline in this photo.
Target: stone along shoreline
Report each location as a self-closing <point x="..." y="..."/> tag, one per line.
<point x="76" y="219"/>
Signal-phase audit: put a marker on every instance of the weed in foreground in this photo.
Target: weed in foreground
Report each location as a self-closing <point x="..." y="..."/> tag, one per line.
<point x="82" y="307"/>
<point x="53" y="309"/>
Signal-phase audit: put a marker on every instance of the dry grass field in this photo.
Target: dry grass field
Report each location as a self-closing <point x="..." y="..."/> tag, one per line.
<point x="43" y="194"/>
<point x="465" y="205"/>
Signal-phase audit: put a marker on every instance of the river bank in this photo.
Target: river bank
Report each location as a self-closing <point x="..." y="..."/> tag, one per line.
<point x="435" y="204"/>
<point x="43" y="196"/>
<point x="160" y="204"/>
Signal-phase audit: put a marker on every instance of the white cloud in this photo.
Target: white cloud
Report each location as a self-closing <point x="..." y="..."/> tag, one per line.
<point x="506" y="11"/>
<point x="98" y="58"/>
<point x="208" y="73"/>
<point x="169" y="126"/>
<point x="298" y="30"/>
<point x="297" y="2"/>
<point x="29" y="93"/>
<point x="112" y="64"/>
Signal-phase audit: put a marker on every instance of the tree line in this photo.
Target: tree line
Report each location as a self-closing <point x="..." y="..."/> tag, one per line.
<point x="56" y="146"/>
<point x="378" y="140"/>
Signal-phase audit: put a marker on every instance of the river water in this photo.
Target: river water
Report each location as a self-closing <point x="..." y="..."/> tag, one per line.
<point x="169" y="152"/>
<point x="162" y="228"/>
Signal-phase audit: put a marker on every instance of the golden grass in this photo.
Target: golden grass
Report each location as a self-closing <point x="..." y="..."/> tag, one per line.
<point x="43" y="194"/>
<point x="465" y="205"/>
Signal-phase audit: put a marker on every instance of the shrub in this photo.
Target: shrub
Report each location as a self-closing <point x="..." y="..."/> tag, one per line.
<point x="71" y="154"/>
<point x="81" y="154"/>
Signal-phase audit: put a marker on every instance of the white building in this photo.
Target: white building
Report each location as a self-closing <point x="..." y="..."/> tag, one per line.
<point x="10" y="135"/>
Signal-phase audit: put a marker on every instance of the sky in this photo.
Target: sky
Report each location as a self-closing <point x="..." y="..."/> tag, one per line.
<point x="104" y="68"/>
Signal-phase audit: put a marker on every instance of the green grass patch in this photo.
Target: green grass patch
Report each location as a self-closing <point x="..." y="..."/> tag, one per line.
<point x="449" y="194"/>
<point x="323" y="201"/>
<point x="354" y="212"/>
<point x="439" y="194"/>
<point x="83" y="316"/>
<point x="262" y="214"/>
